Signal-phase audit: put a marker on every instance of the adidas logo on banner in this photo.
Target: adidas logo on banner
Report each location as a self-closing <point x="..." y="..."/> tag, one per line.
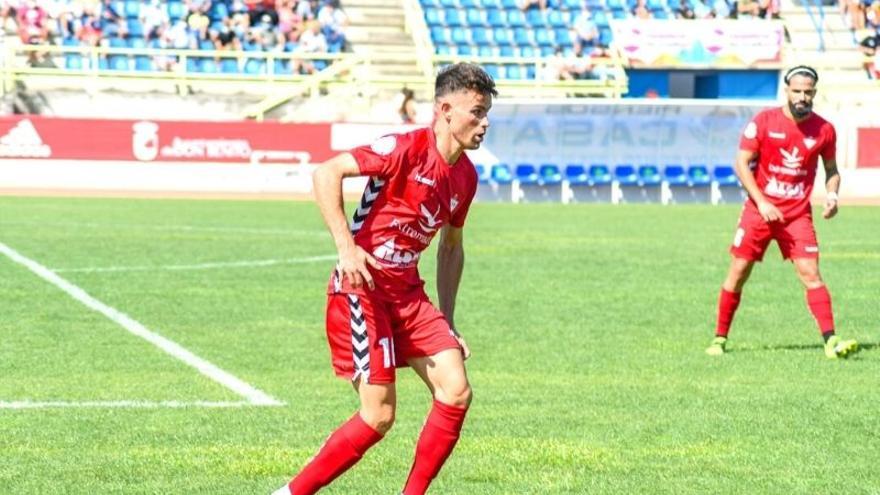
<point x="23" y="141"/>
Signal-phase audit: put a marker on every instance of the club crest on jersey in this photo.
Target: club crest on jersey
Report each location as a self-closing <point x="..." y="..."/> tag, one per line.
<point x="791" y="159"/>
<point x="384" y="145"/>
<point x="751" y="131"/>
<point x="809" y="142"/>
<point x="430" y="222"/>
<point x="453" y="202"/>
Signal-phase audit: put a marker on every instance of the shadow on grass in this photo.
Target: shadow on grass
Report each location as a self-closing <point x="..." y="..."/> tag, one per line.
<point x="863" y="347"/>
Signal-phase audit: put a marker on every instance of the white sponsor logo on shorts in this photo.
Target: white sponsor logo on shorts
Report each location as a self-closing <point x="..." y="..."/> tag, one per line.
<point x="811" y="249"/>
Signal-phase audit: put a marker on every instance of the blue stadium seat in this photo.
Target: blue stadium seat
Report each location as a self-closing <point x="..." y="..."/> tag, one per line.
<point x="495" y="18"/>
<point x="542" y="37"/>
<point x="439" y="35"/>
<point x="482" y="173"/>
<point x="526" y="174"/>
<point x="476" y="17"/>
<point x="605" y="36"/>
<point x="725" y="176"/>
<point x="560" y="35"/>
<point x="556" y="20"/>
<point x="432" y="17"/>
<point x="600" y="18"/>
<point x="209" y="66"/>
<point x="500" y="174"/>
<point x="494" y="70"/>
<point x="572" y="4"/>
<point x="132" y="9"/>
<point x="535" y="18"/>
<point x="258" y="66"/>
<point x="489" y="4"/>
<point x="649" y="176"/>
<point x="509" y="4"/>
<point x="521" y="36"/>
<point x="488" y="51"/>
<point x="502" y="36"/>
<point x="660" y="14"/>
<point x="507" y="51"/>
<point x="464" y="49"/>
<point x="599" y="174"/>
<point x="510" y="70"/>
<point x="549" y="173"/>
<point x="675" y="175"/>
<point x="468" y="4"/>
<point x="452" y="17"/>
<point x="480" y="36"/>
<point x="428" y="3"/>
<point x="576" y="175"/>
<point x="449" y="4"/>
<point x="175" y="10"/>
<point x="626" y="175"/>
<point x="516" y="18"/>
<point x="228" y="66"/>
<point x="459" y="35"/>
<point x="698" y="175"/>
<point x="526" y="51"/>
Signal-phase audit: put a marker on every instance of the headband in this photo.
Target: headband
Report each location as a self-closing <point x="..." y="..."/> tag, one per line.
<point x="801" y="69"/>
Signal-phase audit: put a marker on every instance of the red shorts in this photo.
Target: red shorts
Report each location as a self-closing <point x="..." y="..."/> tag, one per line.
<point x="796" y="238"/>
<point x="370" y="337"/>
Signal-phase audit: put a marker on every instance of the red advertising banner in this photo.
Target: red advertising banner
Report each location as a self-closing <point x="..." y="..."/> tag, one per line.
<point x="869" y="147"/>
<point x="163" y="141"/>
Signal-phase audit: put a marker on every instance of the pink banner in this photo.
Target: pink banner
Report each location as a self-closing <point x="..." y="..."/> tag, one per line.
<point x="698" y="43"/>
<point x="869" y="147"/>
<point x="163" y="141"/>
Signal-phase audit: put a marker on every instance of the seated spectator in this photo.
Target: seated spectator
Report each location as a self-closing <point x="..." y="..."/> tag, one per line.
<point x="702" y="11"/>
<point x="224" y="37"/>
<point x="113" y="24"/>
<point x="33" y="23"/>
<point x="585" y="34"/>
<point x="288" y="19"/>
<point x="721" y="9"/>
<point x="872" y="16"/>
<point x="684" y="10"/>
<point x="748" y="8"/>
<point x="855" y="9"/>
<point x="311" y="41"/>
<point x="769" y="9"/>
<point x="333" y="21"/>
<point x="259" y="8"/>
<point x="525" y="5"/>
<point x="408" y="110"/>
<point x="153" y="18"/>
<point x="9" y="10"/>
<point x="307" y="9"/>
<point x="200" y="6"/>
<point x="640" y="11"/>
<point x="869" y="46"/>
<point x="197" y="24"/>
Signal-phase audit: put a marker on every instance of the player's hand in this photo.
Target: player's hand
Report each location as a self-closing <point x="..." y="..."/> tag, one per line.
<point x="353" y="265"/>
<point x="769" y="212"/>
<point x="465" y="350"/>
<point x="830" y="208"/>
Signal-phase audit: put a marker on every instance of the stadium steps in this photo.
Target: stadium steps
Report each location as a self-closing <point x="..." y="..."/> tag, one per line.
<point x="376" y="27"/>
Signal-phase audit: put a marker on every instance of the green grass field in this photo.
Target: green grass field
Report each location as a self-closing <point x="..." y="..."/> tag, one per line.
<point x="587" y="324"/>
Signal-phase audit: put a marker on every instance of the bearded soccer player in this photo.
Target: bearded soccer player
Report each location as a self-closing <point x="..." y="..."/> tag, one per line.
<point x="786" y="144"/>
<point x="378" y="315"/>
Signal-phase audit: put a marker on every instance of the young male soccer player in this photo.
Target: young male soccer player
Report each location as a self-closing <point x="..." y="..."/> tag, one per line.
<point x="786" y="143"/>
<point x="378" y="316"/>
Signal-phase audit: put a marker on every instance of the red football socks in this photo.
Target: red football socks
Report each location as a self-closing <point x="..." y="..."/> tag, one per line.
<point x="342" y="450"/>
<point x="819" y="301"/>
<point x="727" y="304"/>
<point x="438" y="438"/>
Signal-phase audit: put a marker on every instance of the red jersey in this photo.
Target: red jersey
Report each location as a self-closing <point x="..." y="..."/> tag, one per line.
<point x="412" y="192"/>
<point x="788" y="156"/>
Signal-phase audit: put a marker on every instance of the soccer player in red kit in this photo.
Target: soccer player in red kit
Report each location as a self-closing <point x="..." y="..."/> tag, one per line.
<point x="378" y="315"/>
<point x="786" y="144"/>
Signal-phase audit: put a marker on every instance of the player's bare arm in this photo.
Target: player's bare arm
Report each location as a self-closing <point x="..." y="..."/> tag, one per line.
<point x="832" y="185"/>
<point x="768" y="211"/>
<point x="327" y="180"/>
<point x="450" y="265"/>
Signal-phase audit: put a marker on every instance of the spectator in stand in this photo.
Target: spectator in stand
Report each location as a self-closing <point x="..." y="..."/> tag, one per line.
<point x="197" y="23"/>
<point x="869" y="46"/>
<point x="872" y="17"/>
<point x="308" y="9"/>
<point x="259" y="8"/>
<point x="333" y="21"/>
<point x="721" y="9"/>
<point x="9" y="10"/>
<point x="585" y="34"/>
<point x="224" y="37"/>
<point x="854" y="14"/>
<point x="311" y="41"/>
<point x="769" y="9"/>
<point x="525" y="5"/>
<point x="288" y="20"/>
<point x="640" y="11"/>
<point x="408" y="110"/>
<point x="702" y="11"/>
<point x="201" y="6"/>
<point x="33" y="23"/>
<point x="153" y="18"/>
<point x="684" y="10"/>
<point x="748" y="8"/>
<point x="113" y="23"/>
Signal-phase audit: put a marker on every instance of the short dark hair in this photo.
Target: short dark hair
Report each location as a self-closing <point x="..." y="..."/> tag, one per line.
<point x="801" y="70"/>
<point x="463" y="76"/>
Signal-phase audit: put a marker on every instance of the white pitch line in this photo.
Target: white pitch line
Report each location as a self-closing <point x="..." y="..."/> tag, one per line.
<point x="253" y="395"/>
<point x="185" y="228"/>
<point x="119" y="404"/>
<point x="200" y="266"/>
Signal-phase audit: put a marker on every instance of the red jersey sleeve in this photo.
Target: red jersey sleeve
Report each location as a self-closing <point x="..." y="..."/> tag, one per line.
<point x="381" y="158"/>
<point x="750" y="140"/>
<point x="829" y="152"/>
<point x="460" y="213"/>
